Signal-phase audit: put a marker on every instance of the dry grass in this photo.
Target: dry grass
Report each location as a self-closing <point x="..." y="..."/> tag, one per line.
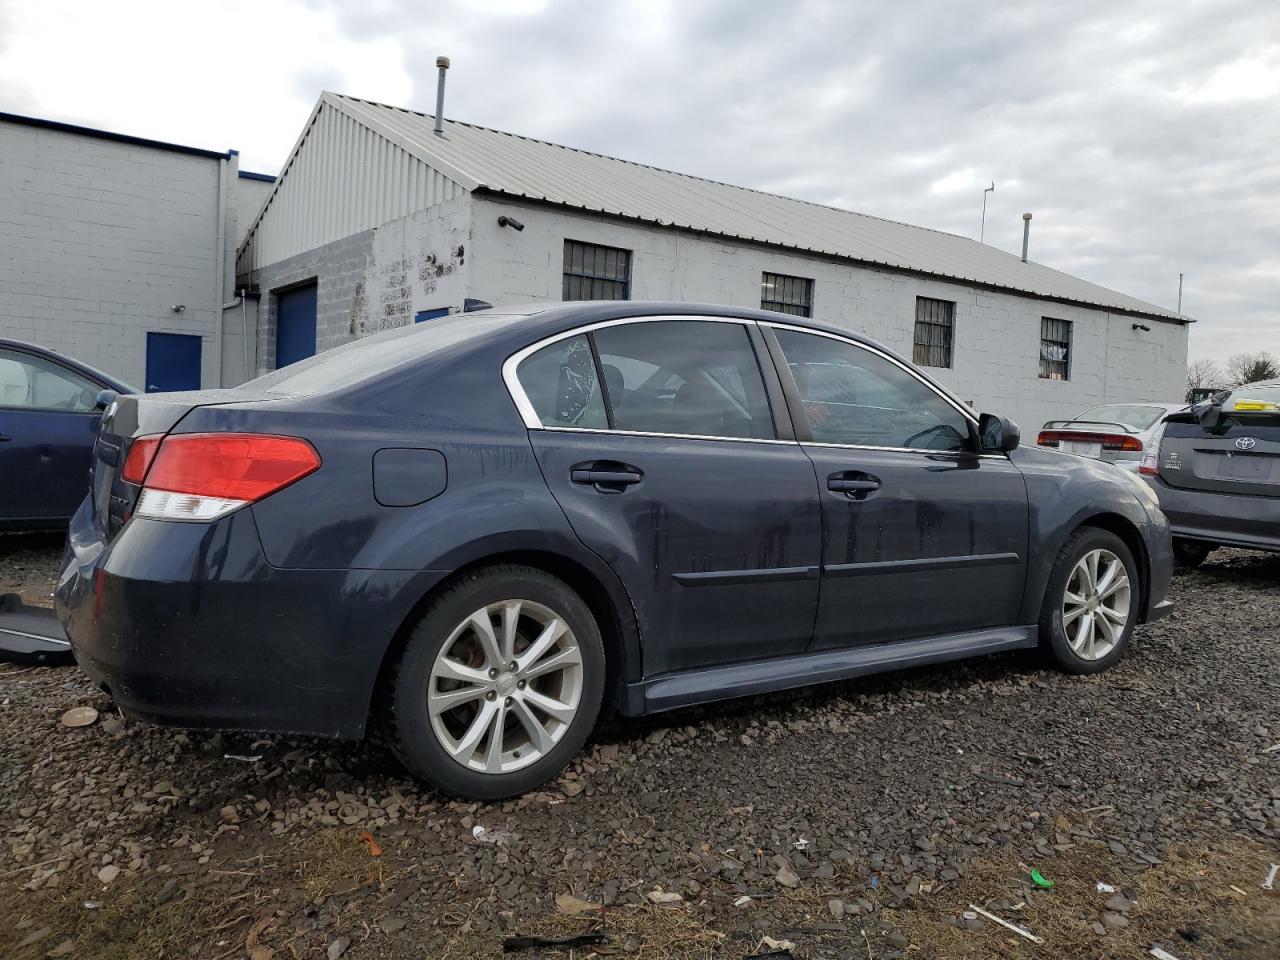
<point x="334" y="860"/>
<point x="1187" y="905"/>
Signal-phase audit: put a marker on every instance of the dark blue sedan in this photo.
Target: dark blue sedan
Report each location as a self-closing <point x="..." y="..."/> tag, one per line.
<point x="476" y="532"/>
<point x="48" y="422"/>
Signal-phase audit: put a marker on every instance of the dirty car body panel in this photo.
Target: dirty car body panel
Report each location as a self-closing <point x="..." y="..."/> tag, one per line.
<point x="715" y="565"/>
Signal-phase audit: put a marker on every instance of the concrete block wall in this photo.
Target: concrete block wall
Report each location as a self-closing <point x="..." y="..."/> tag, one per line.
<point x="996" y="348"/>
<point x="99" y="239"/>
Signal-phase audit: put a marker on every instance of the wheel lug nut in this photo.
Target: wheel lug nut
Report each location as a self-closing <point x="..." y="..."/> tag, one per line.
<point x="513" y="666"/>
<point x="520" y="685"/>
<point x="508" y="703"/>
<point x="491" y="695"/>
<point x="493" y="674"/>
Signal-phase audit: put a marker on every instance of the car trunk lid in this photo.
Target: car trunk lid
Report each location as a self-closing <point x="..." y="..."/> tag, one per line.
<point x="1239" y="454"/>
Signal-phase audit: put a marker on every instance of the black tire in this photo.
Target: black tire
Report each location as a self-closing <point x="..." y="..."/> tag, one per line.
<point x="410" y="731"/>
<point x="1053" y="636"/>
<point x="1190" y="553"/>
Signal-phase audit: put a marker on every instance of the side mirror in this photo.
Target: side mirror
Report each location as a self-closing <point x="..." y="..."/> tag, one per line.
<point x="104" y="399"/>
<point x="997" y="434"/>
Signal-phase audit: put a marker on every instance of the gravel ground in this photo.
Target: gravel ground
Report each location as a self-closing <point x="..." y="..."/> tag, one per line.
<point x="856" y="820"/>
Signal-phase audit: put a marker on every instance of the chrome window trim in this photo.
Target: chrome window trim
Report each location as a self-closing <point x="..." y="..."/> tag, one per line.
<point x="959" y="407"/>
<point x="511" y="365"/>
<point x="665" y="436"/>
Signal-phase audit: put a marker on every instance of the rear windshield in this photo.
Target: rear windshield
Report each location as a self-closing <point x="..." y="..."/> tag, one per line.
<point x="1135" y="416"/>
<point x="369" y="357"/>
<point x="1255" y="398"/>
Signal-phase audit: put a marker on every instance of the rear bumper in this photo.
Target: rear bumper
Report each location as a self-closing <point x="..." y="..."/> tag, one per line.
<point x="1220" y="518"/>
<point x="187" y="624"/>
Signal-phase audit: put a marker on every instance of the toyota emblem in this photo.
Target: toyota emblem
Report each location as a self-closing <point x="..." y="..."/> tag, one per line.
<point x="1246" y="443"/>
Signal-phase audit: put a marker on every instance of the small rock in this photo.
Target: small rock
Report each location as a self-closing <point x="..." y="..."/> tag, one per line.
<point x="228" y="814"/>
<point x="836" y="907"/>
<point x="825" y="871"/>
<point x="64" y="949"/>
<point x="571" y="788"/>
<point x="897" y="939"/>
<point x="1114" y="921"/>
<point x="1099" y="929"/>
<point x="1118" y="903"/>
<point x="108" y="873"/>
<point x="79" y="717"/>
<point x="787" y="877"/>
<point x="338" y="947"/>
<point x="663" y="897"/>
<point x="35" y="936"/>
<point x="167" y="891"/>
<point x="390" y="925"/>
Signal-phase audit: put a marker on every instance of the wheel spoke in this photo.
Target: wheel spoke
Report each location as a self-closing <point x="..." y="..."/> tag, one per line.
<point x="483" y="627"/>
<point x="449" y="669"/>
<point x="538" y="736"/>
<point x="510" y="621"/>
<point x="1083" y="632"/>
<point x="557" y="661"/>
<point x="552" y="632"/>
<point x="493" y="755"/>
<point x="465" y="747"/>
<point x="1091" y="569"/>
<point x="1106" y="629"/>
<point x="551" y="707"/>
<point x="442" y="701"/>
<point x="1074" y="598"/>
<point x="1070" y="616"/>
<point x="1114" y="616"/>
<point x="1115" y="586"/>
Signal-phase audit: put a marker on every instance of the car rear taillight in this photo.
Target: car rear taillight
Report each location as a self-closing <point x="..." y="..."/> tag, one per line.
<point x="1150" y="465"/>
<point x="203" y="476"/>
<point x="141" y="452"/>
<point x="1109" y="441"/>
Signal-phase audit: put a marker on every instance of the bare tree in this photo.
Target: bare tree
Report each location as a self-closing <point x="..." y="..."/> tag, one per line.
<point x="1204" y="375"/>
<point x="1251" y="367"/>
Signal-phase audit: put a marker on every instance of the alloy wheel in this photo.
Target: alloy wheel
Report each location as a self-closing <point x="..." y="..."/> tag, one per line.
<point x="505" y="686"/>
<point x="1096" y="604"/>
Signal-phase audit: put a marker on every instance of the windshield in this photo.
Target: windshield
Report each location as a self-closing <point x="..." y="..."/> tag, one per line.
<point x="1134" y="416"/>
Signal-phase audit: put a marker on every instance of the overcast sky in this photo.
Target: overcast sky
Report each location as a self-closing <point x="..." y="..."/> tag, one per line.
<point x="1144" y="136"/>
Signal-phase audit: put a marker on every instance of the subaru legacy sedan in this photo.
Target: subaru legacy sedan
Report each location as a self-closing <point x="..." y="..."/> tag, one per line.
<point x="476" y="533"/>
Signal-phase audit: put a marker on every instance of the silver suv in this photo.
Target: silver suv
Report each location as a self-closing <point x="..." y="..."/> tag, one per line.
<point x="1217" y="472"/>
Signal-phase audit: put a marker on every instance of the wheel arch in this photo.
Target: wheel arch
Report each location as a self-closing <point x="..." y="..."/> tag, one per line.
<point x="598" y="588"/>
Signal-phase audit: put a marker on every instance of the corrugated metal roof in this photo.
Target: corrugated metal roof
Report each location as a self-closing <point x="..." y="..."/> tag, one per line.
<point x="478" y="157"/>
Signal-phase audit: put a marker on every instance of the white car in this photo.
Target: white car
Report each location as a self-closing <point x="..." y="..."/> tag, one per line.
<point x="1120" y="433"/>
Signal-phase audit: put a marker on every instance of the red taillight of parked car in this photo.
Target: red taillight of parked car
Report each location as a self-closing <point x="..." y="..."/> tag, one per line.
<point x="1150" y="465"/>
<point x="1108" y="441"/>
<point x="141" y="452"/>
<point x="202" y="476"/>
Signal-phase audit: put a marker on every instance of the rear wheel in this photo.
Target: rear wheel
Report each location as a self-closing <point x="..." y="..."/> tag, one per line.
<point x="499" y="686"/>
<point x="1190" y="553"/>
<point x="1091" y="605"/>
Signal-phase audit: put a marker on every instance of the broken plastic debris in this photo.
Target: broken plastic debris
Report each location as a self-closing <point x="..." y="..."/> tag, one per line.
<point x="1039" y="879"/>
<point x="1105" y="887"/>
<point x="512" y="944"/>
<point x="772" y="955"/>
<point x="875" y="881"/>
<point x="1270" y="882"/>
<point x="1007" y="925"/>
<point x="374" y="849"/>
<point x="773" y="944"/>
<point x="79" y="717"/>
<point x="483" y="835"/>
<point x="574" y="906"/>
<point x="1160" y="953"/>
<point x="742" y="901"/>
<point x="242" y="757"/>
<point x="801" y="844"/>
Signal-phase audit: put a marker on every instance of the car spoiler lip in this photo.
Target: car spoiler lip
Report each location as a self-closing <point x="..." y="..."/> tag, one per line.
<point x="1059" y="424"/>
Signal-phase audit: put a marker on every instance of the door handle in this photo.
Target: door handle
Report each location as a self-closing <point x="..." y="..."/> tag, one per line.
<point x="606" y="477"/>
<point x="4" y="439"/>
<point x="856" y="486"/>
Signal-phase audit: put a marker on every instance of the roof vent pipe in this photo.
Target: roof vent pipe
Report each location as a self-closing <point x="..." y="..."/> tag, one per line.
<point x="1026" y="232"/>
<point x="443" y="64"/>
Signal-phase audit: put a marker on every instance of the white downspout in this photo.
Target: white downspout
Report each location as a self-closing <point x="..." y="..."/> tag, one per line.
<point x="220" y="260"/>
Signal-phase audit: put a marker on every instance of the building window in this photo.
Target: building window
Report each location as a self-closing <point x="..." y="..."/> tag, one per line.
<point x="1055" y="349"/>
<point x="782" y="294"/>
<point x="935" y="323"/>
<point x="593" y="272"/>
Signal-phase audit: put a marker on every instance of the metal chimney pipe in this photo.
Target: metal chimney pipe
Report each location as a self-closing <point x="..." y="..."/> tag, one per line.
<point x="443" y="64"/>
<point x="1026" y="234"/>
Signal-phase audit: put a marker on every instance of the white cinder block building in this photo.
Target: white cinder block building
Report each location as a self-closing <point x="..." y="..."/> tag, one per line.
<point x="377" y="220"/>
<point x="120" y="251"/>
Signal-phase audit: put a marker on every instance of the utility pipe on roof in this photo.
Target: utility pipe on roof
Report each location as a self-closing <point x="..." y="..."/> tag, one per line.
<point x="443" y="64"/>
<point x="1026" y="234"/>
<point x="220" y="267"/>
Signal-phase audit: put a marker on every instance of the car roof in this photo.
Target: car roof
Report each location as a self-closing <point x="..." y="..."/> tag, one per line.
<point x="93" y="373"/>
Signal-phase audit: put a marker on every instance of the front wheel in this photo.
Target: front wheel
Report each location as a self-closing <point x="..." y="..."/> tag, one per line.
<point x="1091" y="605"/>
<point x="499" y="685"/>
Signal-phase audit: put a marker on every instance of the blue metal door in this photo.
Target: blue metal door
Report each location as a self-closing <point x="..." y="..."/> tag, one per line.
<point x="173" y="362"/>
<point x="295" y="325"/>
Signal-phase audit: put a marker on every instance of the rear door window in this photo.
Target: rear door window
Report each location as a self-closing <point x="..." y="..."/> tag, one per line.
<point x="34" y="383"/>
<point x="561" y="383"/>
<point x="686" y="377"/>
<point x="852" y="396"/>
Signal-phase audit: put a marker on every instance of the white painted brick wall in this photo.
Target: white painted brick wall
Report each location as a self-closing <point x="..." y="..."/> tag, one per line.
<point x="99" y="239"/>
<point x="997" y="335"/>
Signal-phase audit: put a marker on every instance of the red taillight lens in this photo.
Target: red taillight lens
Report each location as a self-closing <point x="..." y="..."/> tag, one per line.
<point x="230" y="466"/>
<point x="141" y="452"/>
<point x="1109" y="441"/>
